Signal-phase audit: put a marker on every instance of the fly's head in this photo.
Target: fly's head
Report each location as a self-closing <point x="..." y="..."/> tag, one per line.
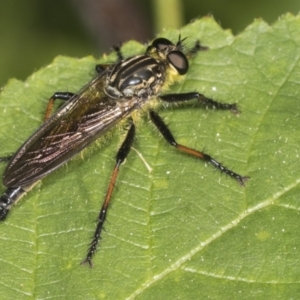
<point x="171" y="54"/>
<point x="144" y="76"/>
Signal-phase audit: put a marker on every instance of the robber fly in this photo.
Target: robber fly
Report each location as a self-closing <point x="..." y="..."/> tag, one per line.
<point x="117" y="94"/>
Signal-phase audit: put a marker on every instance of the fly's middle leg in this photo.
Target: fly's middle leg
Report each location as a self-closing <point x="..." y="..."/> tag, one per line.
<point x="168" y="136"/>
<point x="100" y="68"/>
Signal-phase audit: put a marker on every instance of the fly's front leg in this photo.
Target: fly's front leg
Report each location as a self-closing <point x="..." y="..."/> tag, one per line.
<point x="120" y="157"/>
<point x="65" y="96"/>
<point x="209" y="103"/>
<point x="166" y="133"/>
<point x="197" y="47"/>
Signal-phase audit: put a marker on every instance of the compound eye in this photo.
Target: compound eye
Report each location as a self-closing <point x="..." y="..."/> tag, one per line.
<point x="179" y="61"/>
<point x="161" y="43"/>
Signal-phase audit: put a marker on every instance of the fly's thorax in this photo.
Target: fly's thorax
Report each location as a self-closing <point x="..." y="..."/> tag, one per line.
<point x="139" y="76"/>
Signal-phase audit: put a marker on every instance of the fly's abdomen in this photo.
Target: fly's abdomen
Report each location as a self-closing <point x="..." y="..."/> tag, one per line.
<point x="10" y="196"/>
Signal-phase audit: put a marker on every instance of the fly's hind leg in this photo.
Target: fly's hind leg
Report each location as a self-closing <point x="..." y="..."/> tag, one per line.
<point x="65" y="96"/>
<point x="166" y="133"/>
<point x="6" y="158"/>
<point x="120" y="157"/>
<point x="11" y="195"/>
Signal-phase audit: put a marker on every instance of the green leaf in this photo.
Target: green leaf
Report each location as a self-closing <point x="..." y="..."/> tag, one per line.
<point x="183" y="231"/>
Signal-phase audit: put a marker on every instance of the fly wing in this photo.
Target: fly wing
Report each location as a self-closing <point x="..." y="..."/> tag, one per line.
<point x="85" y="117"/>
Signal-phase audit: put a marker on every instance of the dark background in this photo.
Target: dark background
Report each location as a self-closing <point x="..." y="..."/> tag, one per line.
<point x="33" y="32"/>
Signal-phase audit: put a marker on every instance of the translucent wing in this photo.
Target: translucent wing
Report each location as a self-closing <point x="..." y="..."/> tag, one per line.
<point x="85" y="117"/>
